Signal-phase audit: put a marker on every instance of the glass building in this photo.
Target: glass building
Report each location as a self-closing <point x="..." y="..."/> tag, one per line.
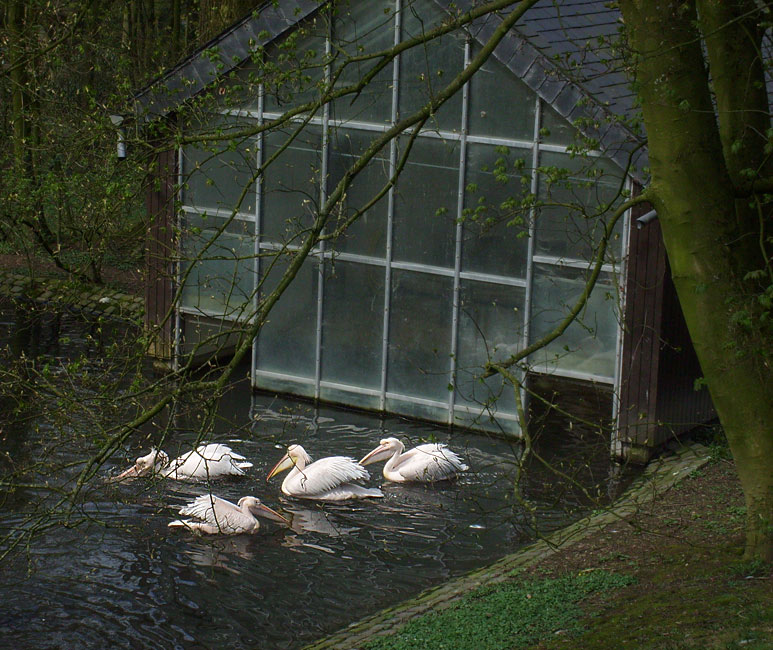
<point x="480" y="247"/>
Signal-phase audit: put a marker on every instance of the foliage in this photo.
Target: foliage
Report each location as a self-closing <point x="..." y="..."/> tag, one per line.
<point x="67" y="198"/>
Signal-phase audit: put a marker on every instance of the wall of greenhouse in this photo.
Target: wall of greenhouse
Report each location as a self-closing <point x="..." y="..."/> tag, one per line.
<point x="401" y="310"/>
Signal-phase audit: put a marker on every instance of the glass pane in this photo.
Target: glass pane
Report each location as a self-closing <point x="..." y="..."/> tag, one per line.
<point x="294" y="68"/>
<point x="588" y="345"/>
<point x="495" y="226"/>
<point x="425" y="203"/>
<point x="291" y="186"/>
<point x="555" y="128"/>
<point x="434" y="412"/>
<point x="221" y="173"/>
<point x="287" y="342"/>
<point x="241" y="88"/>
<point x="426" y="69"/>
<point x="349" y="398"/>
<point x="572" y="220"/>
<point x="361" y="28"/>
<point x="500" y="103"/>
<point x="420" y="335"/>
<point x="487" y="420"/>
<point x="221" y="278"/>
<point x="367" y="235"/>
<point x="352" y="326"/>
<point x="287" y="385"/>
<point x="209" y="337"/>
<point x="490" y="328"/>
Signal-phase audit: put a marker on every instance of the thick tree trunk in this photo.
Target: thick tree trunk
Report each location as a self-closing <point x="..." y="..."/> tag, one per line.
<point x="695" y="199"/>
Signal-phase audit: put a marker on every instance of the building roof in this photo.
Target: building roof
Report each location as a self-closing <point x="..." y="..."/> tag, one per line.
<point x="565" y="52"/>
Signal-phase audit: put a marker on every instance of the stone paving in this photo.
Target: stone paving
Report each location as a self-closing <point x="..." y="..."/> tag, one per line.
<point x="661" y="474"/>
<point x="66" y="293"/>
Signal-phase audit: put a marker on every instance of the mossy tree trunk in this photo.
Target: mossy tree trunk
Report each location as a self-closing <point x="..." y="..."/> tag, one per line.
<point x="705" y="158"/>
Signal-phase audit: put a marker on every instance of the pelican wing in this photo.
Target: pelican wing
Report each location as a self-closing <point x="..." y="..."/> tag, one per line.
<point x="430" y="462"/>
<point x="216" y="451"/>
<point x="207" y="461"/>
<point x="219" y="513"/>
<point x="327" y="474"/>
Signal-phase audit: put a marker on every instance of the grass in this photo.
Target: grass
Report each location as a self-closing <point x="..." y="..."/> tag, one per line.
<point x="514" y="614"/>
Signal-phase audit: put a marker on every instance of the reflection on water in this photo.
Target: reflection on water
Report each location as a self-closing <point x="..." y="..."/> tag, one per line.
<point x="128" y="581"/>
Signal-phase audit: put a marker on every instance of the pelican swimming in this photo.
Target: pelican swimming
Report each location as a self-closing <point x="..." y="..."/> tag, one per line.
<point x="217" y="516"/>
<point x="425" y="463"/>
<point x="206" y="461"/>
<point x="329" y="479"/>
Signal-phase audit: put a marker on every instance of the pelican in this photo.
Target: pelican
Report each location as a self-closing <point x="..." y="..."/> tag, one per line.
<point x="328" y="479"/>
<point x="206" y="461"/>
<point x="425" y="463"/>
<point x="214" y="516"/>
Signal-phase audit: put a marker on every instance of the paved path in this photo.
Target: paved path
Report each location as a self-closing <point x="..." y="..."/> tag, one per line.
<point x="659" y="476"/>
<point x="62" y="292"/>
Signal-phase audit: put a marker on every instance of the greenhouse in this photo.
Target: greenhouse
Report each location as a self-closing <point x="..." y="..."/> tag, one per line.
<point x="479" y="248"/>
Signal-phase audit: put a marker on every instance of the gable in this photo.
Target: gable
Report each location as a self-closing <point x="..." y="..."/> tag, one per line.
<point x="562" y="53"/>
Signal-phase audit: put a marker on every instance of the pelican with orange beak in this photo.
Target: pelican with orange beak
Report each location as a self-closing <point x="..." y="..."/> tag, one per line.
<point x="205" y="462"/>
<point x="328" y="479"/>
<point x="215" y="516"/>
<point x="423" y="464"/>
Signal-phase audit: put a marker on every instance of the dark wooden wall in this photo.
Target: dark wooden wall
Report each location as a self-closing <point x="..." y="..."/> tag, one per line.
<point x="680" y="405"/>
<point x="659" y="366"/>
<point x="160" y="203"/>
<point x="641" y="335"/>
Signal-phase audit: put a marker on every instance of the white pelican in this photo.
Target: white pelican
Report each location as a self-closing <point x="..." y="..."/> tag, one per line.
<point x="425" y="463"/>
<point x="206" y="461"/>
<point x="217" y="516"/>
<point x="328" y="479"/>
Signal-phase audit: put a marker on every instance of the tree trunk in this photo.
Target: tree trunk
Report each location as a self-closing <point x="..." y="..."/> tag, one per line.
<point x="19" y="118"/>
<point x="695" y="200"/>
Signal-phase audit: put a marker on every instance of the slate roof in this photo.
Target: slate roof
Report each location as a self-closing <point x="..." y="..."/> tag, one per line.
<point x="234" y="45"/>
<point x="565" y="53"/>
<point x="561" y="50"/>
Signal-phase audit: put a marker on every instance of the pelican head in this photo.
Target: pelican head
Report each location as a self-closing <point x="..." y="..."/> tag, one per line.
<point x="296" y="455"/>
<point x="386" y="449"/>
<point x="256" y="507"/>
<point x="145" y="465"/>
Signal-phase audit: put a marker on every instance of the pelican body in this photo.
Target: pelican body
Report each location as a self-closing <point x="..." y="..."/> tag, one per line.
<point x="424" y="464"/>
<point x="206" y="461"/>
<point x="328" y="479"/>
<point x="215" y="516"/>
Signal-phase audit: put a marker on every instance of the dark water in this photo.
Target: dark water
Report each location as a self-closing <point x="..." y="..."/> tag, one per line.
<point x="127" y="581"/>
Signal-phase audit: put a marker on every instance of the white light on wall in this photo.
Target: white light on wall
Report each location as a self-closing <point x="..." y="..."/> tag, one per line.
<point x="117" y="120"/>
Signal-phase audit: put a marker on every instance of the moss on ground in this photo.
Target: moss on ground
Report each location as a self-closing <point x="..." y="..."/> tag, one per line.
<point x="516" y="613"/>
<point x="693" y="589"/>
<point x="695" y="598"/>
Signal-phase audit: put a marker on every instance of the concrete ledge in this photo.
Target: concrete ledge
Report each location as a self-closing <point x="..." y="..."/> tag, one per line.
<point x="659" y="476"/>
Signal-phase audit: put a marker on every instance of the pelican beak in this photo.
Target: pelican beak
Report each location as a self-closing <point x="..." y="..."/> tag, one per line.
<point x="379" y="453"/>
<point x="286" y="462"/>
<point x="268" y="513"/>
<point x="129" y="473"/>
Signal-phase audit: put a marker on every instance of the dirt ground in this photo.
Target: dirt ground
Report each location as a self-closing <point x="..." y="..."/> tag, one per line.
<point x="692" y="590"/>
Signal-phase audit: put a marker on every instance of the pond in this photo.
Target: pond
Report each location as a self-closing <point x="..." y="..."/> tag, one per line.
<point x="126" y="580"/>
